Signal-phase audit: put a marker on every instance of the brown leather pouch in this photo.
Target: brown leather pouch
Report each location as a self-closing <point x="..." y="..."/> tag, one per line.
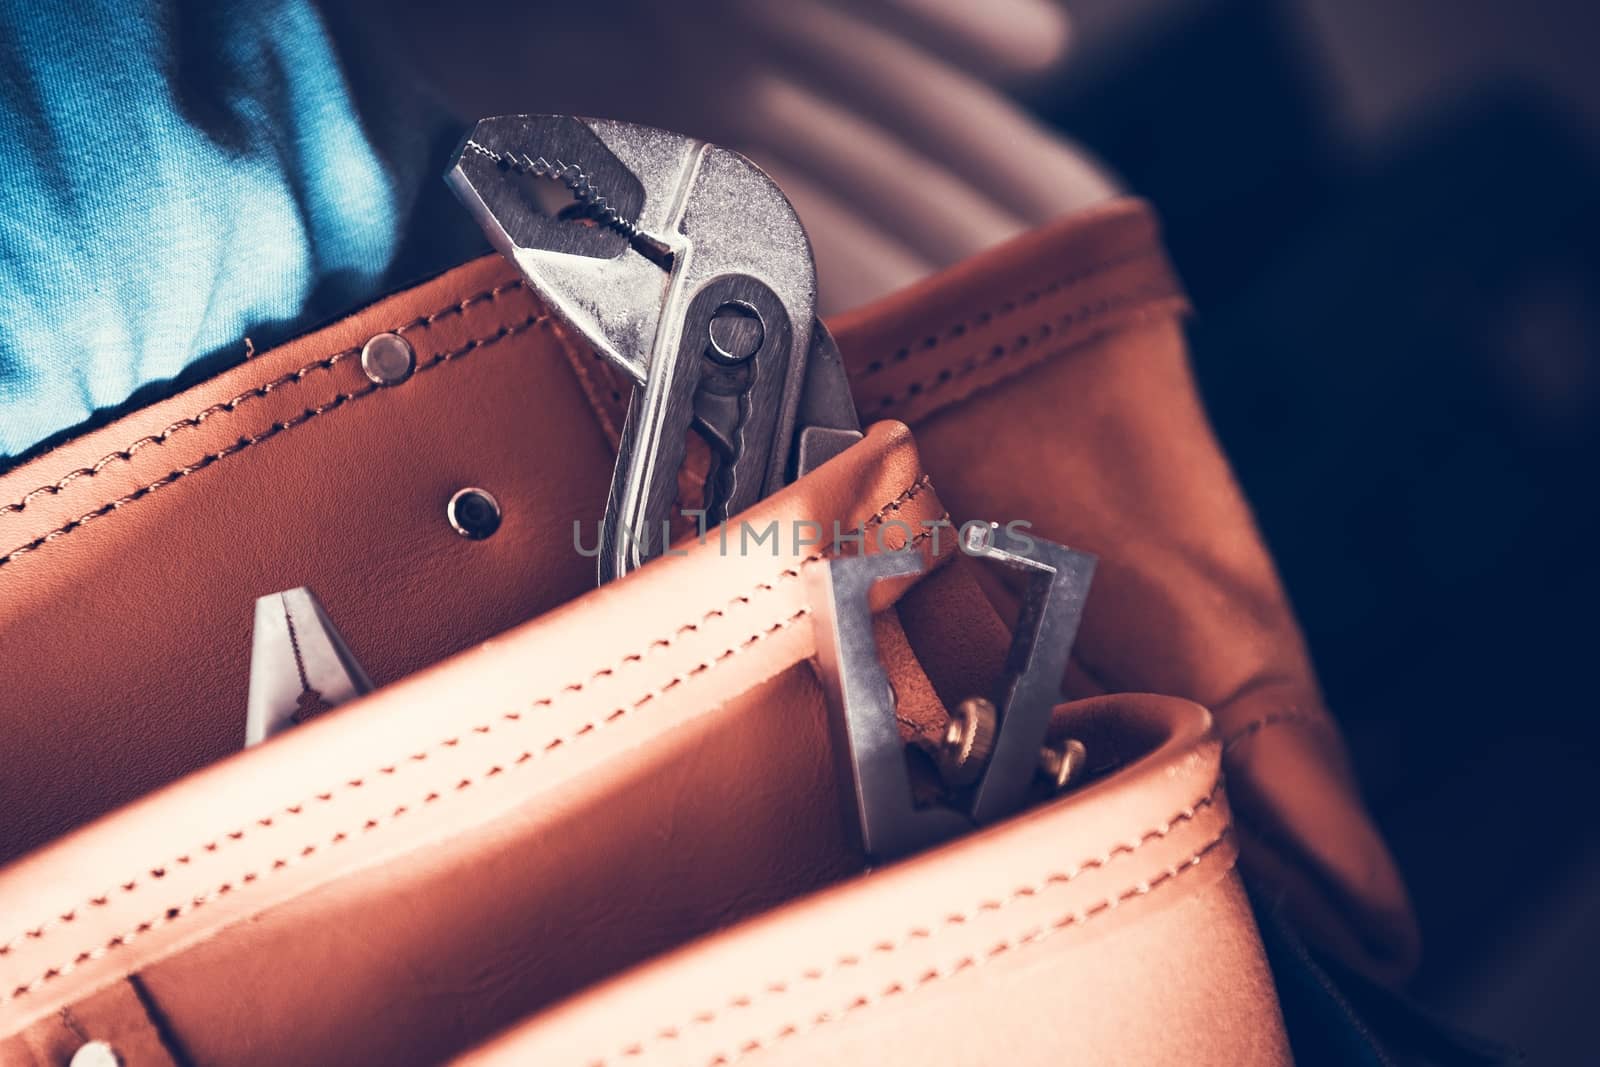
<point x="647" y="763"/>
<point x="395" y="882"/>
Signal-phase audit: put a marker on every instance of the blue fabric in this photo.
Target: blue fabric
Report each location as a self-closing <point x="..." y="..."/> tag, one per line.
<point x="177" y="175"/>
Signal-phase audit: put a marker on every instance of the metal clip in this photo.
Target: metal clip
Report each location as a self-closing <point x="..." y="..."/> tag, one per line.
<point x="871" y="757"/>
<point x="299" y="665"/>
<point x="686" y="267"/>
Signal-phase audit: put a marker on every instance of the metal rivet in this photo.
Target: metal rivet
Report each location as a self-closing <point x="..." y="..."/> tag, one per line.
<point x="473" y="513"/>
<point x="95" y="1054"/>
<point x="736" y="332"/>
<point x="388" y="359"/>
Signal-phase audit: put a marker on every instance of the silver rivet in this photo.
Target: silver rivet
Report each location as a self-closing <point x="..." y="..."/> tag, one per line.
<point x="95" y="1054"/>
<point x="473" y="513"/>
<point x="388" y="359"/>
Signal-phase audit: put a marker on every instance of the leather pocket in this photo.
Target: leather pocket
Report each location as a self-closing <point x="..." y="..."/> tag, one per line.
<point x="607" y="784"/>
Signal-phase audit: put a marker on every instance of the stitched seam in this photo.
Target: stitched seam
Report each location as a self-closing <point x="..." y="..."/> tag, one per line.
<point x="924" y="933"/>
<point x="1001" y="310"/>
<point x="1030" y="937"/>
<point x="284" y="862"/>
<point x="1001" y="352"/>
<point x="595" y="390"/>
<point x="1034" y="936"/>
<point x="1276" y="718"/>
<point x="527" y="756"/>
<point x="127" y="453"/>
<point x="70" y="915"/>
<point x="247" y="441"/>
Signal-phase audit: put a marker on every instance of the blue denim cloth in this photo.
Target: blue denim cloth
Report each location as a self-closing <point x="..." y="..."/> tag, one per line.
<point x="178" y="175"/>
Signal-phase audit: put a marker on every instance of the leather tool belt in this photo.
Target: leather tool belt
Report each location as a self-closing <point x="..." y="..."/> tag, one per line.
<point x="609" y="819"/>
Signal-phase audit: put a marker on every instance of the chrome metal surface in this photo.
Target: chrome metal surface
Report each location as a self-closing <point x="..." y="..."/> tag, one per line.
<point x="739" y="409"/>
<point x="299" y="664"/>
<point x="870" y="757"/>
<point x="827" y="419"/>
<point x="662" y="235"/>
<point x="990" y="759"/>
<point x="1047" y="625"/>
<point x="735" y="333"/>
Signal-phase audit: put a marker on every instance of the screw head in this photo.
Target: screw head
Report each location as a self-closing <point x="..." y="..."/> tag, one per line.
<point x="736" y="333"/>
<point x="473" y="513"/>
<point x="387" y="359"/>
<point x="968" y="741"/>
<point x="1063" y="762"/>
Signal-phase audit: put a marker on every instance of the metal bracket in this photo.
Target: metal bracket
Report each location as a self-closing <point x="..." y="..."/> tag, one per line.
<point x="299" y="665"/>
<point x="1047" y="626"/>
<point x="870" y="755"/>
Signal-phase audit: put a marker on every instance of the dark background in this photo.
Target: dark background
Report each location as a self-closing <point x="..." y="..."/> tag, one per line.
<point x="1386" y="214"/>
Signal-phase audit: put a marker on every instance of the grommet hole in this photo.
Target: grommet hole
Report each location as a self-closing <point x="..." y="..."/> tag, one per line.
<point x="473" y="513"/>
